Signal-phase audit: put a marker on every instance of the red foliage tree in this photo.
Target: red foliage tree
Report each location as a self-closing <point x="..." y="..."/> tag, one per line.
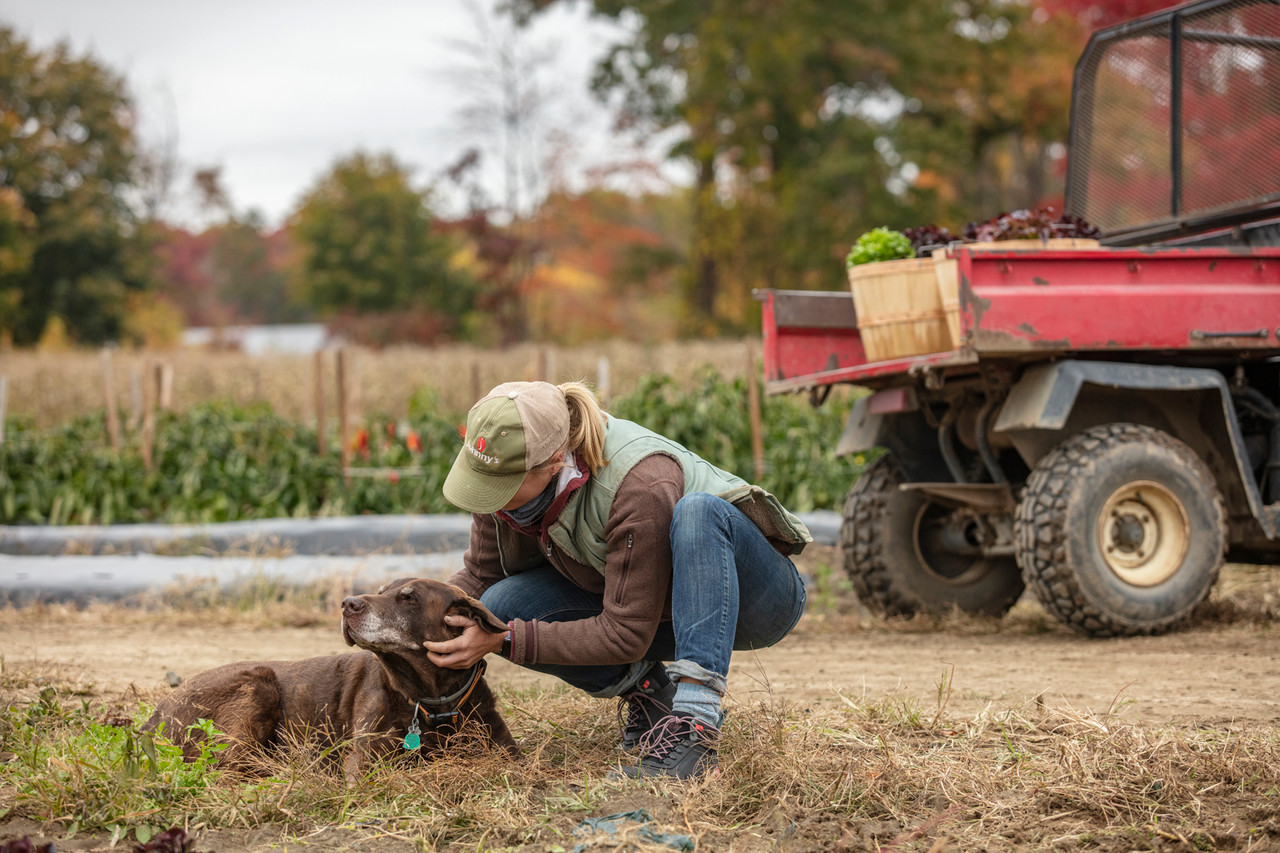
<point x="1092" y="14"/>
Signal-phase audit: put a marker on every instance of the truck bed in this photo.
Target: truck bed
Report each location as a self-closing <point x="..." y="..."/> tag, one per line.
<point x="1038" y="304"/>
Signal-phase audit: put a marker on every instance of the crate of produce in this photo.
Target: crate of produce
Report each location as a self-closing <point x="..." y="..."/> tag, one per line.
<point x="899" y="307"/>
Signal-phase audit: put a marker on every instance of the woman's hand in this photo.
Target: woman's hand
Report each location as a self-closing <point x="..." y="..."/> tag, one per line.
<point x="465" y="650"/>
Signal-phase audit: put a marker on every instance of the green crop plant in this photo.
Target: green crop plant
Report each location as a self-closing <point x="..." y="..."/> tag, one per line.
<point x="220" y="462"/>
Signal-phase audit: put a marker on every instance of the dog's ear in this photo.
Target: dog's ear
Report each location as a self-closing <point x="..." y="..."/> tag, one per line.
<point x="467" y="606"/>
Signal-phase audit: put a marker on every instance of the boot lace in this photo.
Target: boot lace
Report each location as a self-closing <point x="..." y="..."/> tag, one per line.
<point x="669" y="732"/>
<point x="633" y="709"/>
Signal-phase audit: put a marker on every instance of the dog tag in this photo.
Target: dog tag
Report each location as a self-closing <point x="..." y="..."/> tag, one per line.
<point x="413" y="739"/>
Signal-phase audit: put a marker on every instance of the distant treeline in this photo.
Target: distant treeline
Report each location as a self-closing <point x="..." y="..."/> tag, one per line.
<point x="802" y="124"/>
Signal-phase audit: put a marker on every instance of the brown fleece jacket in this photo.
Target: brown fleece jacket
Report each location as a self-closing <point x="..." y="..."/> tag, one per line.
<point x="636" y="584"/>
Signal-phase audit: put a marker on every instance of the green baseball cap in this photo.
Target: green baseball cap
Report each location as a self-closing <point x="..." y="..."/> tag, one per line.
<point x="512" y="429"/>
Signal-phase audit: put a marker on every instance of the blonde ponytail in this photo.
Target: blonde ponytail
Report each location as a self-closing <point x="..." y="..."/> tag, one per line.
<point x="586" y="425"/>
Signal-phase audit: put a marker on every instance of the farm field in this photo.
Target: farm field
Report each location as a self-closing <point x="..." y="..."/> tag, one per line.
<point x="218" y="455"/>
<point x="54" y="387"/>
<point x="854" y="733"/>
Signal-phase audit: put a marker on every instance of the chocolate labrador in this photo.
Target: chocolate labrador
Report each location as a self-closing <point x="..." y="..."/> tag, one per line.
<point x="388" y="697"/>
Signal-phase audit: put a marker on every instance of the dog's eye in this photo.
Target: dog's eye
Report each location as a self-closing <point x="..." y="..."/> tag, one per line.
<point x="408" y="595"/>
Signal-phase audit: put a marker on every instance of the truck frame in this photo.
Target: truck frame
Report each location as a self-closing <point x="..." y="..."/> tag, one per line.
<point x="1106" y="432"/>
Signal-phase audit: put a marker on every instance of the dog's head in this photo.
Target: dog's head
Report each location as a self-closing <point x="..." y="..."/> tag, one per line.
<point x="403" y="614"/>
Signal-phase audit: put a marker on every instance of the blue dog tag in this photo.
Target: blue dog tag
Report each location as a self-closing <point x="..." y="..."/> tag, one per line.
<point x="413" y="740"/>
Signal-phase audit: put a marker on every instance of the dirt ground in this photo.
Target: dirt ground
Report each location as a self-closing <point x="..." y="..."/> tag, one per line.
<point x="1221" y="671"/>
<point x="1215" y="675"/>
<point x="1224" y="668"/>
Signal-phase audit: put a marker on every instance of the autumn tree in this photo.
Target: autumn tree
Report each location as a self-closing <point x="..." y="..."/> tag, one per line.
<point x="252" y="268"/>
<point x="183" y="270"/>
<point x="235" y="272"/>
<point x="806" y="122"/>
<point x="73" y="249"/>
<point x="501" y="76"/>
<point x="608" y="266"/>
<point x="1090" y="15"/>
<point x="369" y="246"/>
<point x="779" y="105"/>
<point x="17" y="246"/>
<point x="988" y="107"/>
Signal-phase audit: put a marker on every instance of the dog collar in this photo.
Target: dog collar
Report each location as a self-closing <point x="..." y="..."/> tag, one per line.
<point x="447" y="705"/>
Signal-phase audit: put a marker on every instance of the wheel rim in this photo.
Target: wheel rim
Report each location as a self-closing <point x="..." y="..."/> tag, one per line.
<point x="1143" y="533"/>
<point x="943" y="544"/>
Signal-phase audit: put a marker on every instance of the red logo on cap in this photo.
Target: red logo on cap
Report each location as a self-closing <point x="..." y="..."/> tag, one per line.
<point x="480" y="444"/>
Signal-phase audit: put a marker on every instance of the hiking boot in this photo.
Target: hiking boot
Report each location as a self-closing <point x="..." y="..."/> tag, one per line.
<point x="680" y="746"/>
<point x="644" y="706"/>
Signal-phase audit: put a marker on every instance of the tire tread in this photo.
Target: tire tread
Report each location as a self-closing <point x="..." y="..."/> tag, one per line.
<point x="864" y="562"/>
<point x="1041" y="534"/>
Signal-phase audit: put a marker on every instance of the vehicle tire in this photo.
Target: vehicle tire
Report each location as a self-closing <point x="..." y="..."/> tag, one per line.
<point x="896" y="556"/>
<point x="1121" y="530"/>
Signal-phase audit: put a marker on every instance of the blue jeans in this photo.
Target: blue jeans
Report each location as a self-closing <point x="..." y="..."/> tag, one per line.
<point x="730" y="590"/>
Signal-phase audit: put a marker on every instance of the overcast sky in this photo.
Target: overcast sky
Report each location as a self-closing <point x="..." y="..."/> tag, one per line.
<point x="274" y="91"/>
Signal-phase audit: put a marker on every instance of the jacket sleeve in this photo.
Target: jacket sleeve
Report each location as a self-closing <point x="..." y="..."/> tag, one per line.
<point x="481" y="565"/>
<point x="637" y="577"/>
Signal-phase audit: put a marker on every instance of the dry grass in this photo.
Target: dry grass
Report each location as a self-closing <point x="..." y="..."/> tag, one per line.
<point x="52" y="388"/>
<point x="859" y="774"/>
<point x="867" y="776"/>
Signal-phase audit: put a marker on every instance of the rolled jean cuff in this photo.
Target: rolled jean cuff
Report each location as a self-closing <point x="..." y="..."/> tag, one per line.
<point x="689" y="669"/>
<point x="626" y="683"/>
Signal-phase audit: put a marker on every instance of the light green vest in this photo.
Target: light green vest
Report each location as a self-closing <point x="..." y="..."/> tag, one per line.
<point x="580" y="527"/>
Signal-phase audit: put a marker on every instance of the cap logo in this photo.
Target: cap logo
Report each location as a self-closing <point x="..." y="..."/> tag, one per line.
<point x="477" y="450"/>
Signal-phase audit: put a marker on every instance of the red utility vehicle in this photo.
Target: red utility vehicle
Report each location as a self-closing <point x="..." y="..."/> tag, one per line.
<point x="1106" y="429"/>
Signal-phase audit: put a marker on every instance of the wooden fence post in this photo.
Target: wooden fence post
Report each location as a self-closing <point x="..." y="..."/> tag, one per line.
<point x="109" y="389"/>
<point x="321" y="444"/>
<point x="355" y="387"/>
<point x="136" y="402"/>
<point x="148" y="419"/>
<point x="757" y="418"/>
<point x="344" y="422"/>
<point x="602" y="379"/>
<point x="164" y="386"/>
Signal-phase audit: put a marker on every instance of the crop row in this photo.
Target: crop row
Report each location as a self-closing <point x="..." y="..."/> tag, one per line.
<point x="224" y="462"/>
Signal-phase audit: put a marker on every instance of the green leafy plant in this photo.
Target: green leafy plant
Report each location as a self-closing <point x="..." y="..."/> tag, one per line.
<point x="879" y="244"/>
<point x="101" y="774"/>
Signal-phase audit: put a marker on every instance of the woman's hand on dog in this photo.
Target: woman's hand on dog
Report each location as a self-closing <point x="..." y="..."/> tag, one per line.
<point x="467" y="648"/>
